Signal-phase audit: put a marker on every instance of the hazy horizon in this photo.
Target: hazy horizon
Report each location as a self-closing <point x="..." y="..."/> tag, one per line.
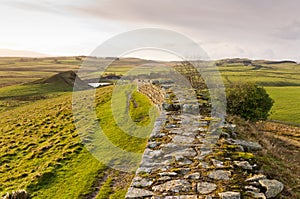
<point x="31" y="54"/>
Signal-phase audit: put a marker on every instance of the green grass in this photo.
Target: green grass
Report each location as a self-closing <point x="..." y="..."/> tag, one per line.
<point x="49" y="156"/>
<point x="18" y="95"/>
<point x="287" y="103"/>
<point x="50" y="161"/>
<point x="41" y="151"/>
<point x="139" y="111"/>
<point x="272" y="76"/>
<point x="17" y="70"/>
<point x="106" y="189"/>
<point x="282" y="82"/>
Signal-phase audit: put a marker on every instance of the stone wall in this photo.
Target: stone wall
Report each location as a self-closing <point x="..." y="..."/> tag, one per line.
<point x="178" y="164"/>
<point x="153" y="92"/>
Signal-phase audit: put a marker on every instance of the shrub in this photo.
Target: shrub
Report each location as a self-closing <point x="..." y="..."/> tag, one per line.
<point x="249" y="101"/>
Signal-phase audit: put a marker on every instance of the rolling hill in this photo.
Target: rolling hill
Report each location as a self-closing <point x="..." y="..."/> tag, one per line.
<point x="41" y="151"/>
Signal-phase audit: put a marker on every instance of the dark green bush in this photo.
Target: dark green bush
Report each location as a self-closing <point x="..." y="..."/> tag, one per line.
<point x="249" y="101"/>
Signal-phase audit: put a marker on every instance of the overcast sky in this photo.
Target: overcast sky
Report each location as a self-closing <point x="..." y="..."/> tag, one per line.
<point x="257" y="29"/>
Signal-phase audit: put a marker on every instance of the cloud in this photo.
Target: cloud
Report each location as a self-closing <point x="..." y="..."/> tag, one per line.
<point x="289" y="32"/>
<point x="227" y="28"/>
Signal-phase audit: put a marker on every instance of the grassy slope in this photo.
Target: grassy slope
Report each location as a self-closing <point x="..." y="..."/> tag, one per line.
<point x="50" y="161"/>
<point x="17" y="95"/>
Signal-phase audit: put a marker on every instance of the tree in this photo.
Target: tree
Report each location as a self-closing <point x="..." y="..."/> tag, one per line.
<point x="249" y="101"/>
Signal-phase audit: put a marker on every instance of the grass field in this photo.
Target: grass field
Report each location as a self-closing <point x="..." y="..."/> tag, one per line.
<point x="22" y="70"/>
<point x="282" y="82"/>
<point x="50" y="161"/>
<point x="287" y="103"/>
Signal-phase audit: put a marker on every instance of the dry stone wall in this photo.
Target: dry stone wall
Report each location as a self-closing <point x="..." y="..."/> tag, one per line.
<point x="154" y="93"/>
<point x="175" y="165"/>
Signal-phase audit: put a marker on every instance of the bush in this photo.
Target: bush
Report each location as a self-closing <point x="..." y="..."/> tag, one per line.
<point x="249" y="101"/>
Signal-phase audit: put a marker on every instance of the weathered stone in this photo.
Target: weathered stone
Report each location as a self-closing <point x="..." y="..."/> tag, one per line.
<point x="180" y="151"/>
<point x="206" y="187"/>
<point x="243" y="164"/>
<point x="183" y="171"/>
<point x="187" y="108"/>
<point x="171" y="107"/>
<point x="164" y="178"/>
<point x="189" y="134"/>
<point x="217" y="163"/>
<point x="135" y="193"/>
<point x="142" y="169"/>
<point x="152" y="145"/>
<point x="173" y="186"/>
<point x="219" y="175"/>
<point x="148" y="153"/>
<point x="230" y="127"/>
<point x="249" y="146"/>
<point x="273" y="187"/>
<point x="254" y="183"/>
<point x="183" y="160"/>
<point x="204" y="165"/>
<point x="256" y="178"/>
<point x="230" y="195"/>
<point x="158" y="135"/>
<point x="252" y="188"/>
<point x="19" y="194"/>
<point x="177" y="131"/>
<point x="202" y="124"/>
<point x="181" y="197"/>
<point x="205" y="197"/>
<point x="225" y="135"/>
<point x="193" y="176"/>
<point x="205" y="149"/>
<point x="179" y="139"/>
<point x="169" y="126"/>
<point x="168" y="174"/>
<point x="256" y="195"/>
<point x="202" y="129"/>
<point x="141" y="182"/>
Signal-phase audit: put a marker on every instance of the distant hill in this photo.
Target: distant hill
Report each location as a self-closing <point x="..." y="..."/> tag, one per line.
<point x="20" y="53"/>
<point x="66" y="79"/>
<point x="245" y="61"/>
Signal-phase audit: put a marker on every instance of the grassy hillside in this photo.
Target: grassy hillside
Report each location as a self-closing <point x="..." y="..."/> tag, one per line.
<point x="42" y="152"/>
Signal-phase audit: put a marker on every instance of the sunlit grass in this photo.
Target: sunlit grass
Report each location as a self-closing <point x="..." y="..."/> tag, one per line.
<point x="287" y="103"/>
<point x="49" y="160"/>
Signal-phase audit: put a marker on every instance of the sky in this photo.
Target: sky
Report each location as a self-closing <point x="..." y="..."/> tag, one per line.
<point x="255" y="29"/>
